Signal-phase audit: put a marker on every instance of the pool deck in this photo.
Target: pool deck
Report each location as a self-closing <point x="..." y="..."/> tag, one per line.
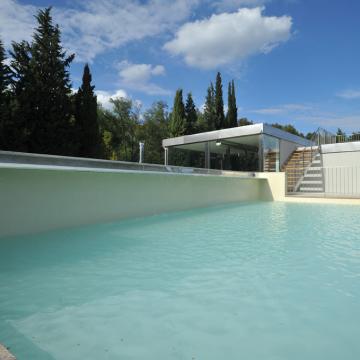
<point x="320" y="198"/>
<point x="5" y="354"/>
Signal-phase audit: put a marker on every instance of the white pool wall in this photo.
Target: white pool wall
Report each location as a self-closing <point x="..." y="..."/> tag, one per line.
<point x="39" y="198"/>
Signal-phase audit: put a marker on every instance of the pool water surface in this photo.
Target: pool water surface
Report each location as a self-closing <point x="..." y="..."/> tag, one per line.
<point x="249" y="281"/>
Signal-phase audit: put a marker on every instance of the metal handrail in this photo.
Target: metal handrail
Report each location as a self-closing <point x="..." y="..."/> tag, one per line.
<point x="347" y="138"/>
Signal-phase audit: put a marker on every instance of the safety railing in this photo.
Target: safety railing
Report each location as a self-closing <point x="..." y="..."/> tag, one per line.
<point x="343" y="138"/>
<point x="323" y="137"/>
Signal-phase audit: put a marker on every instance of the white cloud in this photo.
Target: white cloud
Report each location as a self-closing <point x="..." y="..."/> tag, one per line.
<point x="349" y="94"/>
<point x="16" y="21"/>
<point x="312" y="115"/>
<point x="349" y="123"/>
<point x="138" y="77"/>
<point x="103" y="97"/>
<point x="229" y="37"/>
<point x="230" y="5"/>
<point x="105" y="24"/>
<point x="282" y="109"/>
<point x="92" y="27"/>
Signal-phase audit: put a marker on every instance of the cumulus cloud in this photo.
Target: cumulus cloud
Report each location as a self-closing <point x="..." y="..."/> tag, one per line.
<point x="92" y="27"/>
<point x="349" y="123"/>
<point x="105" y="24"/>
<point x="312" y="115"/>
<point x="229" y="37"/>
<point x="282" y="109"/>
<point x="138" y="77"/>
<point x="16" y="21"/>
<point x="104" y="97"/>
<point x="349" y="94"/>
<point x="230" y="5"/>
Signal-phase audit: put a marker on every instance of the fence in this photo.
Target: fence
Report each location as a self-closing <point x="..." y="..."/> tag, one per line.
<point x="342" y="181"/>
<point x="322" y="137"/>
<point x="347" y="138"/>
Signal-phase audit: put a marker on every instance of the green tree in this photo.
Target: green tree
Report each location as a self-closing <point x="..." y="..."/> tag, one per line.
<point x="288" y="128"/>
<point x="201" y="124"/>
<point x="118" y="129"/>
<point x="44" y="103"/>
<point x="209" y="109"/>
<point x="87" y="126"/>
<point x="153" y="130"/>
<point x="231" y="117"/>
<point x="177" y="124"/>
<point x="244" y="122"/>
<point x="6" y="124"/>
<point x="219" y="104"/>
<point x="190" y="115"/>
<point x="17" y="131"/>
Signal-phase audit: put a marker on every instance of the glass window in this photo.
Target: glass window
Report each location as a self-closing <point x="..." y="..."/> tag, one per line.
<point x="192" y="155"/>
<point x="230" y="154"/>
<point x="271" y="152"/>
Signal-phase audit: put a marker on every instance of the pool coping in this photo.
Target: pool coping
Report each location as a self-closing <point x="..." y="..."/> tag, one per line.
<point x="5" y="354"/>
<point x="224" y="174"/>
<point x="322" y="200"/>
<point x="9" y="159"/>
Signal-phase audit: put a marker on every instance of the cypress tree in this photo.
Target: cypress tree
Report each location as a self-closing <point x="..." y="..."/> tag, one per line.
<point x="231" y="117"/>
<point x="5" y="75"/>
<point x="235" y="109"/>
<point x="190" y="115"/>
<point x="209" y="109"/>
<point x="177" y="124"/>
<point x="219" y="104"/>
<point x="5" y="121"/>
<point x="87" y="126"/>
<point x="18" y="129"/>
<point x="229" y="111"/>
<point x="49" y="116"/>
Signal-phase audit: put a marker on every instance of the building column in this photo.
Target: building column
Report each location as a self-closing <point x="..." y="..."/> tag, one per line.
<point x="207" y="155"/>
<point x="166" y="156"/>
<point x="261" y="153"/>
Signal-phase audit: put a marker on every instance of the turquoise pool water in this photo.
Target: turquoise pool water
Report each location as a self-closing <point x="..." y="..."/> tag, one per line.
<point x="251" y="281"/>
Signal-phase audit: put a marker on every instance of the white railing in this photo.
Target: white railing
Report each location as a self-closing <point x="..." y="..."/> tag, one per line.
<point x="342" y="181"/>
<point x="323" y="137"/>
<point x="347" y="138"/>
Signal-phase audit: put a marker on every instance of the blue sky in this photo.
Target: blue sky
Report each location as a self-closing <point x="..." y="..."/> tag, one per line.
<point x="293" y="61"/>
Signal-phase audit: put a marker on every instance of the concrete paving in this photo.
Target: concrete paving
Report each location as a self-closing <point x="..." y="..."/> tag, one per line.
<point x="5" y="354"/>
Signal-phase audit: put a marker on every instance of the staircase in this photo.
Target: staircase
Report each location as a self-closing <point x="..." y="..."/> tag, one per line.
<point x="303" y="171"/>
<point x="312" y="181"/>
<point x="270" y="160"/>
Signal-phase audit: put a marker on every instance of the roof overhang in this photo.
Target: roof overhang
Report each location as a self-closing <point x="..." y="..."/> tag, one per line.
<point x="235" y="132"/>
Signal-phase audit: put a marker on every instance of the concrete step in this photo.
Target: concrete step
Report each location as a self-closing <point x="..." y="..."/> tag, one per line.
<point x="314" y="190"/>
<point x="311" y="182"/>
<point x="313" y="176"/>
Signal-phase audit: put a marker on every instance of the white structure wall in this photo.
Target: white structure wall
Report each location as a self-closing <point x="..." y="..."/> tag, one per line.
<point x="341" y="168"/>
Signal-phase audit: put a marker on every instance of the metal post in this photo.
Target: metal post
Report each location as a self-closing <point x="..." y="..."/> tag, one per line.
<point x="261" y="153"/>
<point x="207" y="155"/>
<point x="141" y="152"/>
<point x="166" y="156"/>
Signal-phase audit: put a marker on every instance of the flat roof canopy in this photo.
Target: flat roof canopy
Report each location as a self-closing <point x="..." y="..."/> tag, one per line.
<point x="248" y="142"/>
<point x="247" y="135"/>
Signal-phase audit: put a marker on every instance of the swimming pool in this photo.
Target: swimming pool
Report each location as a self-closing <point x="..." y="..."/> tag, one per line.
<point x="259" y="280"/>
